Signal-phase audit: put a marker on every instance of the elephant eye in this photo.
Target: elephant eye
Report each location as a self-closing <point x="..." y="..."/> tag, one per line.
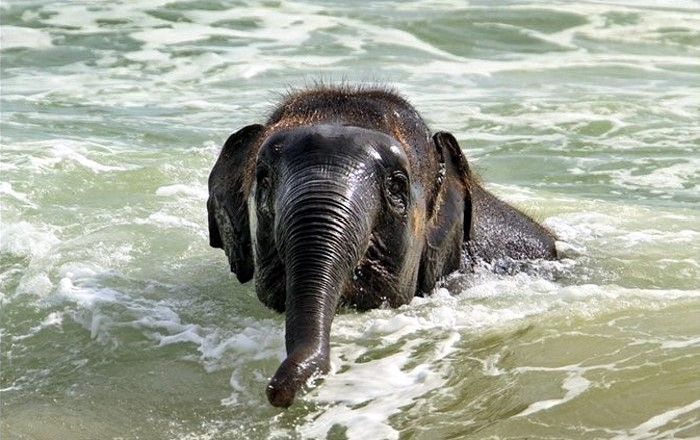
<point x="397" y="188"/>
<point x="397" y="183"/>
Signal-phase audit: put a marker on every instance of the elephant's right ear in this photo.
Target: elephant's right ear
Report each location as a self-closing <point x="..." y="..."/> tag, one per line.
<point x="229" y="226"/>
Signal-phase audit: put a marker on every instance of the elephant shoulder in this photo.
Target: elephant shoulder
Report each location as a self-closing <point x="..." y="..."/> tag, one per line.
<point x="499" y="230"/>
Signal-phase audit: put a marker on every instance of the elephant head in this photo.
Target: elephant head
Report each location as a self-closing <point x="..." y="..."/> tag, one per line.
<point x="344" y="197"/>
<point x="330" y="214"/>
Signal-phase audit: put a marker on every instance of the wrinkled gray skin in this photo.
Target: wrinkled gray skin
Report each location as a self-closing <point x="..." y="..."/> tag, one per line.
<point x="345" y="198"/>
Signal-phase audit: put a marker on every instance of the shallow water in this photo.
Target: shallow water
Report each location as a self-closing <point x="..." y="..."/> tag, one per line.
<point x="118" y="320"/>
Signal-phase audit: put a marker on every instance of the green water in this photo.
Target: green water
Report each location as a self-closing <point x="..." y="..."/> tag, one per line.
<point x="118" y="320"/>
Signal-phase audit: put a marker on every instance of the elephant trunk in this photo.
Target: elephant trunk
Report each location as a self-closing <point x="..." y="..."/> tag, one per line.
<point x="322" y="230"/>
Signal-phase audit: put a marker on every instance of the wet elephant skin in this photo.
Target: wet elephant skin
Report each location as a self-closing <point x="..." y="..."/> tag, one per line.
<point x="345" y="197"/>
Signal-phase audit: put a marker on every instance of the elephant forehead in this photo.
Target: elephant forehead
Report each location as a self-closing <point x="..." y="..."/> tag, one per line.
<point x="333" y="139"/>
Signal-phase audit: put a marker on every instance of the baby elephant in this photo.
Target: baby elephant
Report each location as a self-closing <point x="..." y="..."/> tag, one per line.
<point x="345" y="198"/>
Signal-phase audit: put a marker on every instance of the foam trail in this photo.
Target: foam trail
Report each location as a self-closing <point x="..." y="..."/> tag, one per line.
<point x="574" y="385"/>
<point x="648" y="429"/>
<point x="191" y="190"/>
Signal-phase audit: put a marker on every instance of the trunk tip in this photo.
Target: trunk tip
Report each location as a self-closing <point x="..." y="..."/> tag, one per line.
<point x="291" y="377"/>
<point x="281" y="397"/>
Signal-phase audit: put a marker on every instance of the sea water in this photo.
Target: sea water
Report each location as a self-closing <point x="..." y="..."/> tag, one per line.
<point x="119" y="321"/>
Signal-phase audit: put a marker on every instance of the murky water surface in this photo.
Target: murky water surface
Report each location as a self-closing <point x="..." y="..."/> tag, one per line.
<point x="118" y="320"/>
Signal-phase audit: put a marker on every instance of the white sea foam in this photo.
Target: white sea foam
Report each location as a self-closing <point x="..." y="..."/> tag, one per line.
<point x="35" y="283"/>
<point x="66" y="151"/>
<point x="26" y="240"/>
<point x="12" y="37"/>
<point x="582" y="226"/>
<point x="676" y="176"/>
<point x="53" y="319"/>
<point x="6" y="188"/>
<point x="80" y="285"/>
<point x="85" y="295"/>
<point x="652" y="235"/>
<point x="379" y="395"/>
<point x="163" y="219"/>
<point x="685" y="343"/>
<point x="490" y="365"/>
<point x="46" y="155"/>
<point x="649" y="429"/>
<point x="190" y="190"/>
<point x="550" y="61"/>
<point x="363" y="401"/>
<point x="574" y="385"/>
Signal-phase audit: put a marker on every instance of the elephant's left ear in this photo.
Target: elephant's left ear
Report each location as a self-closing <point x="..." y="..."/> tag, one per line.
<point x="456" y="169"/>
<point x="449" y="214"/>
<point x="229" y="186"/>
<point x="447" y="143"/>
